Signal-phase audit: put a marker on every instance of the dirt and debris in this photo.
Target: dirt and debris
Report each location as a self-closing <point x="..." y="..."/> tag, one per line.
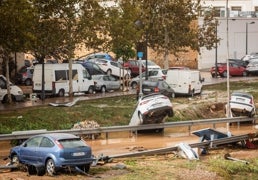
<point x="87" y="125"/>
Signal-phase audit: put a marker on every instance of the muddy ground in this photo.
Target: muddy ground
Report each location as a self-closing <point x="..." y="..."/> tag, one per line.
<point x="169" y="166"/>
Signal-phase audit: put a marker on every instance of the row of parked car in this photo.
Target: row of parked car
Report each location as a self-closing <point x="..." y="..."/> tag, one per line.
<point x="237" y="67"/>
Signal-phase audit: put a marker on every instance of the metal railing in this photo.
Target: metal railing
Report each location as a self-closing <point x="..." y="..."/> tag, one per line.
<point x="106" y="130"/>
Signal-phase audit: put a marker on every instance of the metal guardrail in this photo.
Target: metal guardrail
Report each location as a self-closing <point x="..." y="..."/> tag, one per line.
<point x="106" y="130"/>
<point x="205" y="144"/>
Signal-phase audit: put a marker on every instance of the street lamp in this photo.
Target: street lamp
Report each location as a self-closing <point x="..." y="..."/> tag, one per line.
<point x="140" y="24"/>
<point x="246" y="36"/>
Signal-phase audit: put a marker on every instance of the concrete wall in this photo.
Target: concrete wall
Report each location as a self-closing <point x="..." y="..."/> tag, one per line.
<point x="236" y="40"/>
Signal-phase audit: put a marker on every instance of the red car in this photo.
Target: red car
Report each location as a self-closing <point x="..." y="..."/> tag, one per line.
<point x="133" y="67"/>
<point x="234" y="70"/>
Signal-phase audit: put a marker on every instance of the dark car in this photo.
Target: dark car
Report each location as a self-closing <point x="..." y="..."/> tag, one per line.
<point x="234" y="70"/>
<point x="24" y="76"/>
<point x="157" y="86"/>
<point x="92" y="68"/>
<point x="48" y="153"/>
<point x="239" y="62"/>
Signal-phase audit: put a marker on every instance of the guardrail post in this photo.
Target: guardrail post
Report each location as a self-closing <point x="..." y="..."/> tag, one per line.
<point x="106" y="135"/>
<point x="214" y="126"/>
<point x="189" y="130"/>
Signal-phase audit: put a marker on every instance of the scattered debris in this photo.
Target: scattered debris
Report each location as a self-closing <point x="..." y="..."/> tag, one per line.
<point x="228" y="157"/>
<point x="87" y="125"/>
<point x="137" y="148"/>
<point x="120" y="166"/>
<point x="68" y="104"/>
<point x="185" y="151"/>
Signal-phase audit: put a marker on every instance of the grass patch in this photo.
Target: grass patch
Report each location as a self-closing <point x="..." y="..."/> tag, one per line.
<point x="106" y="112"/>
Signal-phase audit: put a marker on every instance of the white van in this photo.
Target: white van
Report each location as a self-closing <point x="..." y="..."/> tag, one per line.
<point x="185" y="82"/>
<point x="16" y="92"/>
<point x="57" y="80"/>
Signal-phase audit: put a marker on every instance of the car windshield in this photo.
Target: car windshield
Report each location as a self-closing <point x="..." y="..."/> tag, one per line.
<point x="72" y="143"/>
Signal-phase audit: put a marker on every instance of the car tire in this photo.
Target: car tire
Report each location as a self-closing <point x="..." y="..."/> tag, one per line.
<point x="6" y="100"/>
<point x="245" y="74"/>
<point x="40" y="171"/>
<point x="50" y="167"/>
<point x="31" y="170"/>
<point x="28" y="82"/>
<point x="61" y="93"/>
<point x="224" y="74"/>
<point x="85" y="168"/>
<point x="91" y="90"/>
<point x="15" y="161"/>
<point x="103" y="89"/>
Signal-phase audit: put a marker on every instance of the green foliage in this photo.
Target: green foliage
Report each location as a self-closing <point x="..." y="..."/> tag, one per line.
<point x="233" y="169"/>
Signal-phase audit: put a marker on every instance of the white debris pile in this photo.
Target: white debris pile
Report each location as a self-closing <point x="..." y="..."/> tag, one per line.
<point x="87" y="125"/>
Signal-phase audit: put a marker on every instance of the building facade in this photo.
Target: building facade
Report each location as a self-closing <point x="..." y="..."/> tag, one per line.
<point x="238" y="33"/>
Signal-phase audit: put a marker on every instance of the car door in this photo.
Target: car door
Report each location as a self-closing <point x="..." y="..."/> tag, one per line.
<point x="107" y="82"/>
<point x="29" y="150"/>
<point x="115" y="69"/>
<point x="235" y="70"/>
<point x="45" y="148"/>
<point x="113" y="82"/>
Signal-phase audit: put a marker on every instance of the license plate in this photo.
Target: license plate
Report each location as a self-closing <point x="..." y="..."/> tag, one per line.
<point x="79" y="154"/>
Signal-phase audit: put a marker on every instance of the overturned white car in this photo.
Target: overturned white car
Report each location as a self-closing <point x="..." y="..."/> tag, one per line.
<point x="152" y="109"/>
<point x="242" y="104"/>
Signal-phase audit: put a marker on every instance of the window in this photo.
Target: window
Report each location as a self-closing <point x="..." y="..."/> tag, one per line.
<point x="85" y="74"/>
<point x="60" y="75"/>
<point x="74" y="74"/>
<point x="236" y="8"/>
<point x="72" y="143"/>
<point x="33" y="142"/>
<point x="46" y="142"/>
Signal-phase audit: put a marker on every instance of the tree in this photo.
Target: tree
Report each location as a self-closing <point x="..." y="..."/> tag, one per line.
<point x="171" y="26"/>
<point x="15" y="18"/>
<point x="122" y="30"/>
<point x="61" y="26"/>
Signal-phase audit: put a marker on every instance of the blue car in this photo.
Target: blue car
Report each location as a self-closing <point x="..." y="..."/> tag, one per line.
<point x="48" y="153"/>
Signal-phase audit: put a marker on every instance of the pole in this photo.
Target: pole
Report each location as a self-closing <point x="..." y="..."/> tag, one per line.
<point x="246" y="37"/>
<point x="140" y="55"/>
<point x="216" y="49"/>
<point x="146" y="65"/>
<point x="140" y="72"/>
<point x="228" y="93"/>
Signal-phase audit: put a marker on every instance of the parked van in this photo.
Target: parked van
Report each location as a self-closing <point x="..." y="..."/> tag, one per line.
<point x="57" y="80"/>
<point x="16" y="92"/>
<point x="185" y="82"/>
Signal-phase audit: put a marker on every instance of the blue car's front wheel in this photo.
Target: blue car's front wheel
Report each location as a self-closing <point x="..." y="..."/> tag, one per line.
<point x="50" y="167"/>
